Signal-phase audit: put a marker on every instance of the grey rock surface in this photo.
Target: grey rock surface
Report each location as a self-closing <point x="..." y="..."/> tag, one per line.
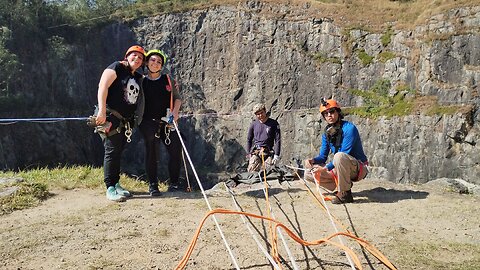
<point x="226" y="58"/>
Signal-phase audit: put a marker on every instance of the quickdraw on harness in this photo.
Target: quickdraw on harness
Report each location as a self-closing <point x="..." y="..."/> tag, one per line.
<point x="168" y="118"/>
<point x="167" y="129"/>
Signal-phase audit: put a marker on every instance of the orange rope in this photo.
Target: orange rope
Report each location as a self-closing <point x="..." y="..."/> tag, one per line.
<point x="323" y="207"/>
<point x="379" y="255"/>
<point x="365" y="244"/>
<point x="273" y="240"/>
<point x="335" y="178"/>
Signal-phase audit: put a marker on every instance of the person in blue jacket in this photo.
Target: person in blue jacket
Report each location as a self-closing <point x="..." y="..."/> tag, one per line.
<point x="349" y="162"/>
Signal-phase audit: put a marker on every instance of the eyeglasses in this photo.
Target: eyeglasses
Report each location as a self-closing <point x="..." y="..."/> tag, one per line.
<point x="260" y="112"/>
<point x="329" y="111"/>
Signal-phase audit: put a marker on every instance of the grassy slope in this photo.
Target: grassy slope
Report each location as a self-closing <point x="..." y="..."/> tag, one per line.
<point x="368" y="14"/>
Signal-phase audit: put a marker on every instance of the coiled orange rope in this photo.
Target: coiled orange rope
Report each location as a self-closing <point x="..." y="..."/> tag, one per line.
<point x="365" y="244"/>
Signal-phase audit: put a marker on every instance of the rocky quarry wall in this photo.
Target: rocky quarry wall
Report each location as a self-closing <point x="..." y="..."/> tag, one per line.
<point x="227" y="58"/>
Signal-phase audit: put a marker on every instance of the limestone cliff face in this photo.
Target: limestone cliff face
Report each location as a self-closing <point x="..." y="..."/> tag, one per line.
<point x="229" y="57"/>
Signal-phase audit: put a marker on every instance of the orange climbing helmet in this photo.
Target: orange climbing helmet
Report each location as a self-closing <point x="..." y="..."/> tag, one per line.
<point x="327" y="104"/>
<point x="135" y="48"/>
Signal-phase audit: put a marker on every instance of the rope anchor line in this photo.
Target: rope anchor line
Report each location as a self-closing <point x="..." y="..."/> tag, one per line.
<point x="10" y="121"/>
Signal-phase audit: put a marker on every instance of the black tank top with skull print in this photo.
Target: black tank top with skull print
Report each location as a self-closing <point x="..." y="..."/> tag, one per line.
<point x="124" y="91"/>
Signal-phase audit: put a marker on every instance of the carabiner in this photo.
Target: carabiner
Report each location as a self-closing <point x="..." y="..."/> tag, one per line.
<point x="167" y="135"/>
<point x="128" y="132"/>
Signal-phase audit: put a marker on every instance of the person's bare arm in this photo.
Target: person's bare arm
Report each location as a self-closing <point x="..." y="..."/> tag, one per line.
<point x="108" y="76"/>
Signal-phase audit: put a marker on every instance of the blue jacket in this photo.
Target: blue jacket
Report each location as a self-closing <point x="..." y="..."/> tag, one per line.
<point x="351" y="144"/>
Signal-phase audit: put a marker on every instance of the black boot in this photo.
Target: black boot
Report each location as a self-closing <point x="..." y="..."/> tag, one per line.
<point x="153" y="189"/>
<point x="174" y="186"/>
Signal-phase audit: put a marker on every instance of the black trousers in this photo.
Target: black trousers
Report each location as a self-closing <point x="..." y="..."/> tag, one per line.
<point x="149" y="128"/>
<point x="114" y="146"/>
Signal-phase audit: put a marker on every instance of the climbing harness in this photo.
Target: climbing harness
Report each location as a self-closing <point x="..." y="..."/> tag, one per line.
<point x="255" y="161"/>
<point x="124" y="124"/>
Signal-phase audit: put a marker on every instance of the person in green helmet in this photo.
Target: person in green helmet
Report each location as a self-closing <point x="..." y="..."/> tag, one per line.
<point x="161" y="108"/>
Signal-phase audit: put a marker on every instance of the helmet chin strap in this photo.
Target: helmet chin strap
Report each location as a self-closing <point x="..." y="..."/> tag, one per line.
<point x="152" y="71"/>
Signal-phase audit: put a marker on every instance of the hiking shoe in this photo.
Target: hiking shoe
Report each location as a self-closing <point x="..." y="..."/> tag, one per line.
<point x="113" y="195"/>
<point x="174" y="188"/>
<point x="122" y="191"/>
<point x="343" y="197"/>
<point x="154" y="192"/>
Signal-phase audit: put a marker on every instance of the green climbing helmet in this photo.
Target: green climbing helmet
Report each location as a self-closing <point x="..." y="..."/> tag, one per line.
<point x="157" y="52"/>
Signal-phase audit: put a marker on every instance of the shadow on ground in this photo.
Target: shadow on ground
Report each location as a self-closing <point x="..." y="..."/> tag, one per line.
<point x="383" y="195"/>
<point x="271" y="192"/>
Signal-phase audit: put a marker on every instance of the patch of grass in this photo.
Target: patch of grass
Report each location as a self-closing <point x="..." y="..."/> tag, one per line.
<point x="72" y="177"/>
<point x="38" y="181"/>
<point x="347" y="41"/>
<point x="62" y="177"/>
<point x="437" y="255"/>
<point x="398" y="109"/>
<point x="364" y="57"/>
<point x="380" y="103"/>
<point x="28" y="195"/>
<point x="386" y="38"/>
<point x="385" y="56"/>
<point x="437" y="109"/>
<point x="321" y="57"/>
<point x="402" y="87"/>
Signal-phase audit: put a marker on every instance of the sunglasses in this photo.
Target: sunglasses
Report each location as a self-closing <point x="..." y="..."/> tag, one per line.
<point x="329" y="111"/>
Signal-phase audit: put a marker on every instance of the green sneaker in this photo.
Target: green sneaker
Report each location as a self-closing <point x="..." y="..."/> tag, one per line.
<point x="113" y="195"/>
<point x="122" y="191"/>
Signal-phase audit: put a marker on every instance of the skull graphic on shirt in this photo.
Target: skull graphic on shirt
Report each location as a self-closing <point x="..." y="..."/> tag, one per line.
<point x="131" y="91"/>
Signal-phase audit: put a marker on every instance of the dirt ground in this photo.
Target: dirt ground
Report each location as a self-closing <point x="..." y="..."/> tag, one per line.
<point x="415" y="227"/>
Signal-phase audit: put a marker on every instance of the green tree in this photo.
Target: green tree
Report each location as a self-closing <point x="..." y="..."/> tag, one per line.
<point x="9" y="64"/>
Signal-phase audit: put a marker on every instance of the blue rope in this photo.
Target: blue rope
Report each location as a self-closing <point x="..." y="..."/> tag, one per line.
<point x="9" y="121"/>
